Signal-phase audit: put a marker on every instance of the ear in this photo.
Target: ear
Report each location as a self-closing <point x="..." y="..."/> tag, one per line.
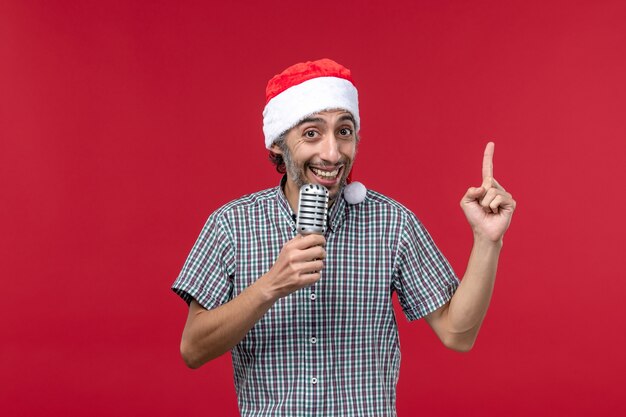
<point x="276" y="149"/>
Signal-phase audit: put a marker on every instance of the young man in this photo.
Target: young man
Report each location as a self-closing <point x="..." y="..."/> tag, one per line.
<point x="309" y="319"/>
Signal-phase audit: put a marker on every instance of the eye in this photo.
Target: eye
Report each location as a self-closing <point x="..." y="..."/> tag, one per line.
<point x="345" y="131"/>
<point x="310" y="134"/>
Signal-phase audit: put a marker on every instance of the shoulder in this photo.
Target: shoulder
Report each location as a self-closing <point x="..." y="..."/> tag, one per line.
<point x="376" y="201"/>
<point x="381" y="209"/>
<point x="246" y="203"/>
<point x="229" y="217"/>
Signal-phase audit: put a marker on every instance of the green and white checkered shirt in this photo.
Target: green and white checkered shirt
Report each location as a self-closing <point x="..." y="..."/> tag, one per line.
<point x="331" y="349"/>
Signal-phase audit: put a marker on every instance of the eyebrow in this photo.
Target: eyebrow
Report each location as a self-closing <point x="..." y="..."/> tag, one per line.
<point x="343" y="118"/>
<point x="348" y="117"/>
<point x="311" y="120"/>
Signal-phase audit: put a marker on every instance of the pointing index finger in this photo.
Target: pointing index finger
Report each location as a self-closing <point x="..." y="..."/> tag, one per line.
<point x="488" y="161"/>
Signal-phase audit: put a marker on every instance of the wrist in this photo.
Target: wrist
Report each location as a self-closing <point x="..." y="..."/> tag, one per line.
<point x="262" y="292"/>
<point x="487" y="242"/>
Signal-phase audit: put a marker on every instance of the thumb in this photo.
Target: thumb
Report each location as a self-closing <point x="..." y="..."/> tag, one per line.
<point x="473" y="194"/>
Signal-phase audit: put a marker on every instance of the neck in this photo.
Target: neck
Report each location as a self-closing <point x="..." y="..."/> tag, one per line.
<point x="292" y="192"/>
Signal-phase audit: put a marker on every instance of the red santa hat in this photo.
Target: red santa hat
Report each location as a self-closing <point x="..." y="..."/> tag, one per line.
<point x="303" y="90"/>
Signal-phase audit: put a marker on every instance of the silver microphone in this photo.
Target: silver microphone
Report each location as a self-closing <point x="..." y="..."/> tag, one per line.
<point x="312" y="209"/>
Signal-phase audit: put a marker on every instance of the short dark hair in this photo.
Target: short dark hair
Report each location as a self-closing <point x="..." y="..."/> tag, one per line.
<point x="277" y="159"/>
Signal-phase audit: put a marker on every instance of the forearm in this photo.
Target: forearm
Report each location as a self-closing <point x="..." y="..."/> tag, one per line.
<point x="210" y="333"/>
<point x="468" y="306"/>
<point x="488" y="210"/>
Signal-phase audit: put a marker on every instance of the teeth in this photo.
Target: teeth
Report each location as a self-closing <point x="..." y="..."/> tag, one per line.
<point x="325" y="174"/>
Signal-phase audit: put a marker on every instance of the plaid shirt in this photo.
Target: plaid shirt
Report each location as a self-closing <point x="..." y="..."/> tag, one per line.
<point x="330" y="349"/>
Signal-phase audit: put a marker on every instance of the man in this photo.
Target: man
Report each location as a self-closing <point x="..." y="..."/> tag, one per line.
<point x="309" y="319"/>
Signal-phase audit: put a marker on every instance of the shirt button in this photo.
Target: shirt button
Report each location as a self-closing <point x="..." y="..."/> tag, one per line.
<point x="313" y="340"/>
<point x="313" y="381"/>
<point x="313" y="297"/>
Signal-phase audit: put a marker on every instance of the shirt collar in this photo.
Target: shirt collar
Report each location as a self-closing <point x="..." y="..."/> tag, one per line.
<point x="337" y="213"/>
<point x="283" y="204"/>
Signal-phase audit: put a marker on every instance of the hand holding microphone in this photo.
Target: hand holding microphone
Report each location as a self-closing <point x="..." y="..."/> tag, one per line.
<point x="302" y="258"/>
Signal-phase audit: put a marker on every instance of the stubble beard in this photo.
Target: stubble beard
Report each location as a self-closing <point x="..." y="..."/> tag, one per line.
<point x="297" y="174"/>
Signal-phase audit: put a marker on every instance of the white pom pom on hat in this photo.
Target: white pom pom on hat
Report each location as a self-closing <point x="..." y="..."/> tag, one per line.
<point x="354" y="193"/>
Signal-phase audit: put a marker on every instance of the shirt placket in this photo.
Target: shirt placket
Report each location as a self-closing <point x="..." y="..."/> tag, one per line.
<point x="313" y="349"/>
<point x="316" y="379"/>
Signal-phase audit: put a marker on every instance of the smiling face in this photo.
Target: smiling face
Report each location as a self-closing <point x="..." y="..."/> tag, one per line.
<point x="319" y="150"/>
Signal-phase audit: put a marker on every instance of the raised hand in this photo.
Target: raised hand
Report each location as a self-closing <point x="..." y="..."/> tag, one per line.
<point x="488" y="208"/>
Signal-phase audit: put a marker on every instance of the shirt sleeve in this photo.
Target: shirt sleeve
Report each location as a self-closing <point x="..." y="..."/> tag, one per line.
<point x="207" y="273"/>
<point x="423" y="279"/>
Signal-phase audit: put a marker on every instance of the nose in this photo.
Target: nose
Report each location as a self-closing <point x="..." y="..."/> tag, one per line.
<point x="329" y="149"/>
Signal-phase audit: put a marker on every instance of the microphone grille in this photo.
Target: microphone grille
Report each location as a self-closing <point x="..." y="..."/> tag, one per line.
<point x="312" y="209"/>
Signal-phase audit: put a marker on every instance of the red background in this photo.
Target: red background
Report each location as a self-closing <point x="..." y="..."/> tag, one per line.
<point x="123" y="125"/>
